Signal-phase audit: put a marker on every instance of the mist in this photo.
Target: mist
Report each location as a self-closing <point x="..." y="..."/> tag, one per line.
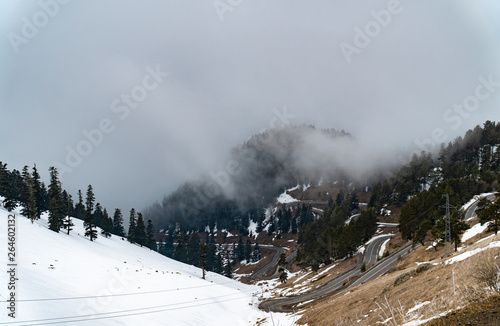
<point x="135" y="97"/>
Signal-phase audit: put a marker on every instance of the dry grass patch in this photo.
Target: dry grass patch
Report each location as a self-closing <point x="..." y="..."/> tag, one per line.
<point x="430" y="292"/>
<point x="395" y="243"/>
<point x="485" y="313"/>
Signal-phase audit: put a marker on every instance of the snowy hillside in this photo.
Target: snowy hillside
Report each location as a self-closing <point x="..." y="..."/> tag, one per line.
<point x="66" y="279"/>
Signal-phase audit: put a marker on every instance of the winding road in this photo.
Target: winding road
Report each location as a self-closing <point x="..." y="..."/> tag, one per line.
<point x="261" y="274"/>
<point x="471" y="211"/>
<point x="370" y="257"/>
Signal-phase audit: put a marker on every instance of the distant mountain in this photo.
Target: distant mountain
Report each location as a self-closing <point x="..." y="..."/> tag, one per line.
<point x="255" y="173"/>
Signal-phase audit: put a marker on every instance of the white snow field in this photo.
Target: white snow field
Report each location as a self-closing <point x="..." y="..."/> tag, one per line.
<point x="475" y="230"/>
<point x="69" y="280"/>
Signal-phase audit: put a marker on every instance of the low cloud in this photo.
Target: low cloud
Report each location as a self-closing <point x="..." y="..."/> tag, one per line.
<point x="225" y="78"/>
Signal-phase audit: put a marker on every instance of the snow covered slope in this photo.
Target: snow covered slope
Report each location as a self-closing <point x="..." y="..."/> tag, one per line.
<point x="68" y="280"/>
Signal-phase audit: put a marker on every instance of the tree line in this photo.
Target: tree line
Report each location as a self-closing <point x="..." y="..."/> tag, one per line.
<point x="333" y="236"/>
<point x="472" y="162"/>
<point x="261" y="168"/>
<point x="208" y="254"/>
<point x="26" y="189"/>
<point x="465" y="167"/>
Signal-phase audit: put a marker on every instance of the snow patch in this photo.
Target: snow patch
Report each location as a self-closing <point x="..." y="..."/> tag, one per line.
<point x="382" y="247"/>
<point x="285" y="198"/>
<point x="378" y="237"/>
<point x="252" y="229"/>
<point x="301" y="277"/>
<point x="385" y="212"/>
<point x="468" y="254"/>
<point x="424" y="321"/>
<point x="475" y="230"/>
<point x="417" y="307"/>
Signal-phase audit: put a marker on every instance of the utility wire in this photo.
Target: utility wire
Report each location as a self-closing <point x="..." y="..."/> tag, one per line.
<point x="118" y="295"/>
<point x="124" y="313"/>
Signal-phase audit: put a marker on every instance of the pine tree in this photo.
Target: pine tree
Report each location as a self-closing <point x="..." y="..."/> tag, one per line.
<point x="330" y="201"/>
<point x="422" y="231"/>
<point x="227" y="266"/>
<point x="340" y="198"/>
<point x="90" y="227"/>
<point x="233" y="256"/>
<point x="67" y="203"/>
<point x="240" y="251"/>
<point x="56" y="208"/>
<point x="256" y="253"/>
<point x="458" y="227"/>
<point x="4" y="180"/>
<point x="45" y="197"/>
<point x="16" y="185"/>
<point x="248" y="251"/>
<point x="38" y="189"/>
<point x="490" y="212"/>
<point x="89" y="201"/>
<point x="150" y="236"/>
<point x="169" y="244"/>
<point x="106" y="224"/>
<point x="25" y="191"/>
<point x="118" y="223"/>
<point x="11" y="187"/>
<point x="140" y="230"/>
<point x="6" y="188"/>
<point x="261" y="216"/>
<point x="180" y="252"/>
<point x="218" y="266"/>
<point x="285" y="220"/>
<point x="282" y="269"/>
<point x="131" y="227"/>
<point x="67" y="224"/>
<point x="211" y="253"/>
<point x="70" y="208"/>
<point x="193" y="250"/>
<point x="80" y="207"/>
<point x="354" y="204"/>
<point x="89" y="223"/>
<point x="202" y="258"/>
<point x="30" y="209"/>
<point x="98" y="215"/>
<point x="272" y="225"/>
<point x="294" y="226"/>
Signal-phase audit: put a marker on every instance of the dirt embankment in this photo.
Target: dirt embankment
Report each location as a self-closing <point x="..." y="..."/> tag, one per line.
<point x="486" y="313"/>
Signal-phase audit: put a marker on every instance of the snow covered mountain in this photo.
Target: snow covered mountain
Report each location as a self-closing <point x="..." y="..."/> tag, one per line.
<point x="66" y="279"/>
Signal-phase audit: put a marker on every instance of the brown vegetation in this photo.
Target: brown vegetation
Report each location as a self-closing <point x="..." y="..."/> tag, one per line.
<point x="438" y="286"/>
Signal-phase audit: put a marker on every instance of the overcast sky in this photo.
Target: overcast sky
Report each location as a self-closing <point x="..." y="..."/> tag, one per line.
<point x="135" y="97"/>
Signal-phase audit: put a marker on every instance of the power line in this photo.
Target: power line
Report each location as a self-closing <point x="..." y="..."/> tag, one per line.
<point x="423" y="213"/>
<point x="118" y="295"/>
<point x="447" y="227"/>
<point x="124" y="313"/>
